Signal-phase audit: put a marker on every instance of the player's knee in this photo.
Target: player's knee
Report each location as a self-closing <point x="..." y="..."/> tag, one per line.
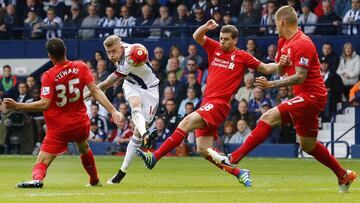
<point x="202" y="151"/>
<point x="265" y="116"/>
<point x="268" y="118"/>
<point x="135" y="101"/>
<point x="136" y="110"/>
<point x="83" y="147"/>
<point x="185" y="123"/>
<point x="307" y="147"/>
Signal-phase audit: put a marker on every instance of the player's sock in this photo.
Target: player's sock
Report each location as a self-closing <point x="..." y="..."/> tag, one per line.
<point x="170" y="143"/>
<point x="88" y="162"/>
<point x="139" y="120"/>
<point x="39" y="171"/>
<point x="134" y="143"/>
<point x="321" y="153"/>
<point x="234" y="171"/>
<point x="256" y="137"/>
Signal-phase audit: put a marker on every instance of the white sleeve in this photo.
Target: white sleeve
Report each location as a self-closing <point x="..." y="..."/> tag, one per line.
<point x="124" y="69"/>
<point x="345" y="19"/>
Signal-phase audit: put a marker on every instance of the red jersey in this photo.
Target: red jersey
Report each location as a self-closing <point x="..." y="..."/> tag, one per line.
<point x="64" y="85"/>
<point x="302" y="52"/>
<point x="226" y="70"/>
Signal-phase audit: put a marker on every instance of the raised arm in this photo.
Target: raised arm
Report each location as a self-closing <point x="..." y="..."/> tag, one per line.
<point x="106" y="84"/>
<point x="199" y="34"/>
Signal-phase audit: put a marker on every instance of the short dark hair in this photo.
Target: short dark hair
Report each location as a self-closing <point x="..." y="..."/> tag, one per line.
<point x="170" y="100"/>
<point x="56" y="48"/>
<point x="95" y="104"/>
<point x="189" y="104"/>
<point x="230" y="29"/>
<point x="192" y="59"/>
<point x="23" y="83"/>
<point x="6" y="66"/>
<point x="328" y="43"/>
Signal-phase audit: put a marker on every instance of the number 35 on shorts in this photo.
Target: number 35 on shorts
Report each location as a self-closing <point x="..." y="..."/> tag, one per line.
<point x="295" y="100"/>
<point x="206" y="107"/>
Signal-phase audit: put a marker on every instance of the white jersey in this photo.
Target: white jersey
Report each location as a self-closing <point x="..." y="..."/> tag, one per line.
<point x="141" y="76"/>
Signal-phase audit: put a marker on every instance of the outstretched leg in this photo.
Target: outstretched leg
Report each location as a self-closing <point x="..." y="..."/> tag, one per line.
<point x="311" y="146"/>
<point x="258" y="135"/>
<point x="134" y="143"/>
<point x="39" y="171"/>
<point x="88" y="162"/>
<point x="189" y="123"/>
<point x="205" y="142"/>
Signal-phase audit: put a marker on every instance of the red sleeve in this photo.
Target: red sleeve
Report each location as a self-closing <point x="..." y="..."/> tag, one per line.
<point x="250" y="61"/>
<point x="281" y="43"/>
<point x="88" y="77"/>
<point x="210" y="45"/>
<point x="128" y="134"/>
<point x="47" y="87"/>
<point x="302" y="56"/>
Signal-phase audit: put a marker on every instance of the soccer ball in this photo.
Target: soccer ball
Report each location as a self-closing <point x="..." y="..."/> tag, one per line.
<point x="137" y="56"/>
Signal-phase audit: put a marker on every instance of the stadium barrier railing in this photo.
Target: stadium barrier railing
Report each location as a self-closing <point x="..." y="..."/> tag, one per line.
<point x="174" y="31"/>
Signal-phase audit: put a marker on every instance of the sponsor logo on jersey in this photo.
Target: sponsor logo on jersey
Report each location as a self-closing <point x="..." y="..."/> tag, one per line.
<point x="45" y="91"/>
<point x="223" y="63"/>
<point x="304" y="61"/>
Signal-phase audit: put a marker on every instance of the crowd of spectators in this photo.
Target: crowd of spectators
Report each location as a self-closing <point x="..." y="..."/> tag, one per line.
<point x="181" y="91"/>
<point x="88" y="19"/>
<point x="183" y="73"/>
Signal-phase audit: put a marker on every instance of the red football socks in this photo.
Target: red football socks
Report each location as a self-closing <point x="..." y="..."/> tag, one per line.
<point x="321" y="153"/>
<point x="170" y="143"/>
<point x="231" y="170"/>
<point x="88" y="162"/>
<point x="39" y="171"/>
<point x="257" y="136"/>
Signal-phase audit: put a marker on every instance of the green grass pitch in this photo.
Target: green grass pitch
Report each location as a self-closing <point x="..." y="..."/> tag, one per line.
<point x="177" y="180"/>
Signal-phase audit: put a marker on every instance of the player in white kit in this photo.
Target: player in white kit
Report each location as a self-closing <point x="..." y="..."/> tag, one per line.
<point x="141" y="91"/>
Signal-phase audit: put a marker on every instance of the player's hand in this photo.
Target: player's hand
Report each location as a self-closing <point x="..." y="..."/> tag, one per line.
<point x="9" y="103"/>
<point x="284" y="60"/>
<point x="118" y="117"/>
<point x="2" y="107"/>
<point x="211" y="24"/>
<point x="262" y="82"/>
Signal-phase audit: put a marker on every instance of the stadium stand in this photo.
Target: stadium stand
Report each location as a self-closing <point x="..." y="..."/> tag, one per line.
<point x="25" y="26"/>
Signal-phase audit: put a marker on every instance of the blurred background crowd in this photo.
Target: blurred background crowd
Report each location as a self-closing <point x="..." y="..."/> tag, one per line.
<point x="182" y="73"/>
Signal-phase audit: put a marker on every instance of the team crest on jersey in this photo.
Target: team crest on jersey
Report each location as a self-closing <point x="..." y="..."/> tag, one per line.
<point x="45" y="91"/>
<point x="304" y="61"/>
<point x="217" y="53"/>
<point x="232" y="57"/>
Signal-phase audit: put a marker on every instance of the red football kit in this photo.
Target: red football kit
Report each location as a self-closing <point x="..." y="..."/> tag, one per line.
<point x="303" y="110"/>
<point x="66" y="118"/>
<point x="310" y="96"/>
<point x="226" y="71"/>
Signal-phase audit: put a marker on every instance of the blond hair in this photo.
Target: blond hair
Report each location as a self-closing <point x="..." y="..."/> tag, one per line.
<point x="287" y="14"/>
<point x="111" y="40"/>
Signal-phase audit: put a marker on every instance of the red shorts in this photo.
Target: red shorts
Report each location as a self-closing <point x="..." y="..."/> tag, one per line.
<point x="303" y="111"/>
<point x="56" y="143"/>
<point x="214" y="112"/>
